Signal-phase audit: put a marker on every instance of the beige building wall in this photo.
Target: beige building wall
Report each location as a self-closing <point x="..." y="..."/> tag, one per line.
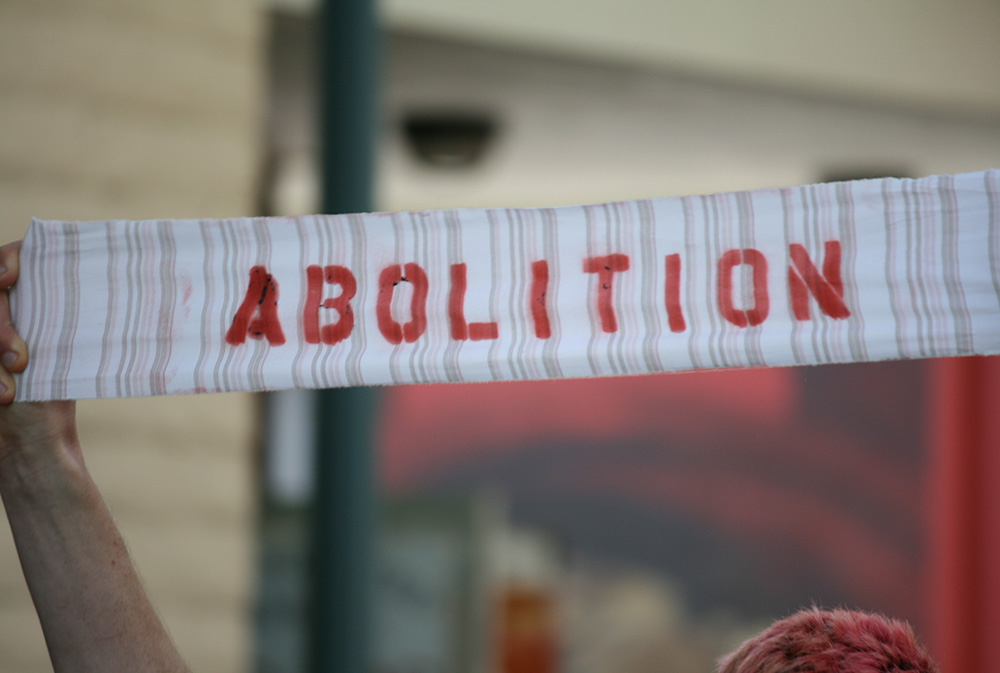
<point x="582" y="131"/>
<point x="143" y="109"/>
<point x="928" y="53"/>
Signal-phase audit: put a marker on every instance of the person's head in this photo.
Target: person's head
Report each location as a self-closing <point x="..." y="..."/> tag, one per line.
<point x="834" y="641"/>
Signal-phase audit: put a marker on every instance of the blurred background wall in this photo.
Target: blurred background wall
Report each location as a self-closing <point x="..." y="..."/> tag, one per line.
<point x="712" y="503"/>
<point x="603" y="100"/>
<point x="121" y="109"/>
<point x="912" y="52"/>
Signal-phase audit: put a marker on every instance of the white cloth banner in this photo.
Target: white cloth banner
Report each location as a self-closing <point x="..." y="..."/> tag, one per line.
<point x="841" y="272"/>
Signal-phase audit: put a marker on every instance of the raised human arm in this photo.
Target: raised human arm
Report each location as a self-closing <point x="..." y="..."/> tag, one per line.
<point x="95" y="613"/>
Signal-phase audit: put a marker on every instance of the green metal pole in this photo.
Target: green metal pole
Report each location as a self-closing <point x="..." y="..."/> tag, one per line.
<point x="345" y="502"/>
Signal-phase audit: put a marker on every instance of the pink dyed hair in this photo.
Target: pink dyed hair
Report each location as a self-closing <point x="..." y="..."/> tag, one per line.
<point x="834" y="641"/>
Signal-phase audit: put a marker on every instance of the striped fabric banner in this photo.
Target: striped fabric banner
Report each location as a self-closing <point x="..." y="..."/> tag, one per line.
<point x="841" y="272"/>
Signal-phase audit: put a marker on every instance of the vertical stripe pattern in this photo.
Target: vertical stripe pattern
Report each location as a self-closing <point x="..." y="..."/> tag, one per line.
<point x="882" y="269"/>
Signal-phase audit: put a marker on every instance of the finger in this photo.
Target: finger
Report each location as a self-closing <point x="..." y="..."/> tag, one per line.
<point x="6" y="387"/>
<point x="13" y="350"/>
<point x="9" y="263"/>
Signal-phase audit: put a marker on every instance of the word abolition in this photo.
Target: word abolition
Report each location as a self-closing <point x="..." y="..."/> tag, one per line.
<point x="257" y="316"/>
<point x="859" y="271"/>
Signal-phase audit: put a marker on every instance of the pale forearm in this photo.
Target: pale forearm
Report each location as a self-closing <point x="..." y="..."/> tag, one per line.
<point x="93" y="609"/>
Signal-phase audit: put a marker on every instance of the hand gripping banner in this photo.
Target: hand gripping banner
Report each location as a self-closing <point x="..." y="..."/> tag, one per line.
<point x="841" y="272"/>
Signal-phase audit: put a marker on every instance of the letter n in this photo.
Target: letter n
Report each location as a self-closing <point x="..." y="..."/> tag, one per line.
<point x="827" y="288"/>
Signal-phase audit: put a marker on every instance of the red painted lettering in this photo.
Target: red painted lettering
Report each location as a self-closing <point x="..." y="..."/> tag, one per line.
<point x="605" y="268"/>
<point x="672" y="294"/>
<point x="391" y="276"/>
<point x="804" y="278"/>
<point x="341" y="329"/>
<point x="257" y="316"/>
<point x="762" y="304"/>
<point x="314" y="299"/>
<point x="539" y="290"/>
<point x="460" y="331"/>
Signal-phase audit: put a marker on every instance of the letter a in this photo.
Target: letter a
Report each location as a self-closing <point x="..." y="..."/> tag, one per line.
<point x="258" y="314"/>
